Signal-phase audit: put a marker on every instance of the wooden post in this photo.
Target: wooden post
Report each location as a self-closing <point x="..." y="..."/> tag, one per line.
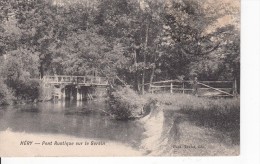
<point x="151" y="88"/>
<point x="63" y="92"/>
<point x="235" y="88"/>
<point x="71" y="95"/>
<point x="182" y="87"/>
<point x="81" y="94"/>
<point x="59" y="93"/>
<point x="78" y="93"/>
<point x="171" y="88"/>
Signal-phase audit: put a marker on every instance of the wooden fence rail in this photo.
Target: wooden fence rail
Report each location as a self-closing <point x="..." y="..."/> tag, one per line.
<point x="204" y="88"/>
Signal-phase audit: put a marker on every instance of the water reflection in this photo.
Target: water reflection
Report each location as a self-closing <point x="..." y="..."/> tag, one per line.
<point x="82" y="119"/>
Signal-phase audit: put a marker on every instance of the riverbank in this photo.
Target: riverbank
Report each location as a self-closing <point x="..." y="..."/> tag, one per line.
<point x="11" y="144"/>
<point x="175" y="136"/>
<point x="184" y="125"/>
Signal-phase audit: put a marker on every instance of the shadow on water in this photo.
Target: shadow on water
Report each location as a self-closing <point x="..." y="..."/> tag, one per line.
<point x="80" y="119"/>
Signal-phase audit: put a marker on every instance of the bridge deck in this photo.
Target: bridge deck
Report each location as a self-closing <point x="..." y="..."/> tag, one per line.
<point x="76" y="80"/>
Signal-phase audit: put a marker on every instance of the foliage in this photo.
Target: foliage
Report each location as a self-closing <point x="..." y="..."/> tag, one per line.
<point x="27" y="90"/>
<point x="18" y="72"/>
<point x="125" y="103"/>
<point x="6" y="96"/>
<point x="136" y="41"/>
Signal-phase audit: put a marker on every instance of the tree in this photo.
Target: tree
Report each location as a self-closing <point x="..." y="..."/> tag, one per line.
<point x="190" y="37"/>
<point x="133" y="41"/>
<point x="136" y="25"/>
<point x="36" y="19"/>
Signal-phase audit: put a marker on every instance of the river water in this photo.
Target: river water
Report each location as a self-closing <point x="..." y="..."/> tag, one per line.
<point x="77" y="119"/>
<point x="161" y="132"/>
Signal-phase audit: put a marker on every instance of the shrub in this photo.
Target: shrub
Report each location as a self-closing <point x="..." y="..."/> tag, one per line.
<point x="125" y="103"/>
<point x="28" y="90"/>
<point x="25" y="90"/>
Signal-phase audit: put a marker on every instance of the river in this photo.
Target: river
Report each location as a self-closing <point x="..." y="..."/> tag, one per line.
<point x="72" y="118"/>
<point x="161" y="132"/>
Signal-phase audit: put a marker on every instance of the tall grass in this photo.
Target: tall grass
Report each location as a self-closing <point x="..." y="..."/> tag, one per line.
<point x="220" y="114"/>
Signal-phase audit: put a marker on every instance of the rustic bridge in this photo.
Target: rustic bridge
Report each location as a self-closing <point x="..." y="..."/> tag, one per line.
<point x="202" y="89"/>
<point x="73" y="87"/>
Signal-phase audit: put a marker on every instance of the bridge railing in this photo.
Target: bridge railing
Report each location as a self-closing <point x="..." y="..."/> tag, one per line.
<point x="84" y="80"/>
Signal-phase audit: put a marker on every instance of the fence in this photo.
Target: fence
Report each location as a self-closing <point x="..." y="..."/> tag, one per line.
<point x="203" y="88"/>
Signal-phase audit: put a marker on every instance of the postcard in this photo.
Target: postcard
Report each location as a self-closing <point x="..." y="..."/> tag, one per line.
<point x="84" y="78"/>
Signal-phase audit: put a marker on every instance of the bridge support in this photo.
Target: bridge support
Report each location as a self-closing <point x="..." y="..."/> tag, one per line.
<point x="79" y="94"/>
<point x="63" y="95"/>
<point x="71" y="94"/>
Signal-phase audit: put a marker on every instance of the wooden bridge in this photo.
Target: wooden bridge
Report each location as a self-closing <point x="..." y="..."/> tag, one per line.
<point x="73" y="87"/>
<point x="203" y="88"/>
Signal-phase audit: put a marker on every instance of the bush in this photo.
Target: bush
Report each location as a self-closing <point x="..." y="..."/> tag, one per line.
<point x="125" y="103"/>
<point x="24" y="90"/>
<point x="27" y="90"/>
<point x="5" y="94"/>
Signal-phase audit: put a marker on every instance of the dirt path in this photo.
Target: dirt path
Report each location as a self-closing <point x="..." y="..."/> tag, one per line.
<point x="171" y="134"/>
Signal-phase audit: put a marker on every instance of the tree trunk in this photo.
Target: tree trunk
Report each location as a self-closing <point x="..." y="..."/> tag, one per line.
<point x="153" y="69"/>
<point x="41" y="71"/>
<point x="151" y="78"/>
<point x="136" y="72"/>
<point x="138" y="85"/>
<point x="145" y="50"/>
<point x="143" y="76"/>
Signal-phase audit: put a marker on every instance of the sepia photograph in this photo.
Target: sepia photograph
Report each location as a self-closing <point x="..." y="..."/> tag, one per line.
<point x="110" y="78"/>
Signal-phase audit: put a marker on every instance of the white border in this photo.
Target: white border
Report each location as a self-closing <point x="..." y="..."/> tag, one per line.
<point x="250" y="95"/>
<point x="250" y="105"/>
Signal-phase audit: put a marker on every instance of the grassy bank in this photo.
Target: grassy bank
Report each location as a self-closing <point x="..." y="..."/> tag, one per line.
<point x="222" y="115"/>
<point x="191" y="126"/>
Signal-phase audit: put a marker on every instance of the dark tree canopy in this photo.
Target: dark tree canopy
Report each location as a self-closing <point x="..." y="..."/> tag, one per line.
<point x="134" y="41"/>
